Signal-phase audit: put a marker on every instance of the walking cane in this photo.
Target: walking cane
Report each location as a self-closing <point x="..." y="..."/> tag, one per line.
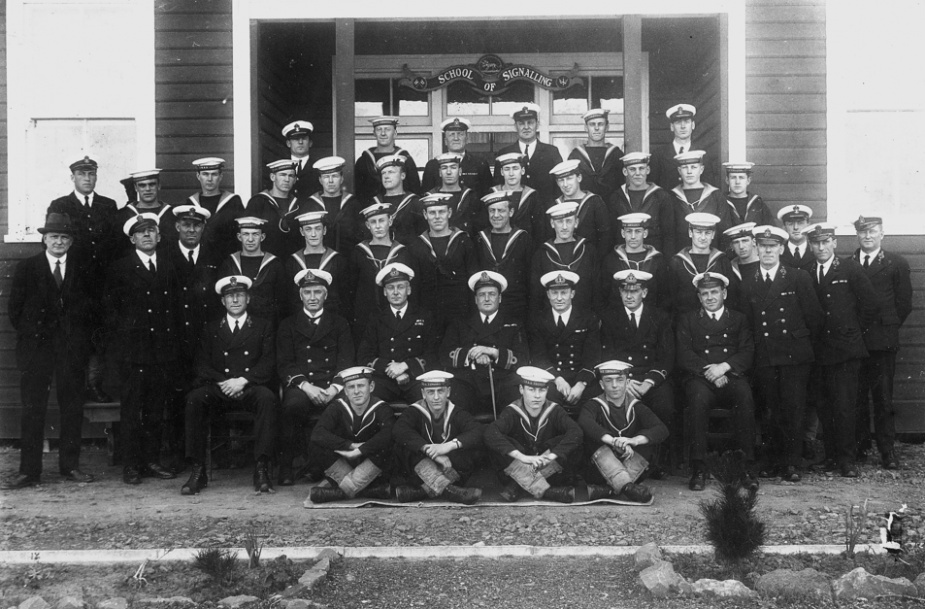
<point x="491" y="383"/>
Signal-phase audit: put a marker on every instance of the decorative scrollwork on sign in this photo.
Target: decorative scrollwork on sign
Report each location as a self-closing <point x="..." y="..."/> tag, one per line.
<point x="489" y="75"/>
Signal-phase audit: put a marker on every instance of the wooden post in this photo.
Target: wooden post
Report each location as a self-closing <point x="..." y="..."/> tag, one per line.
<point x="724" y="88"/>
<point x="344" y="94"/>
<point x="632" y="83"/>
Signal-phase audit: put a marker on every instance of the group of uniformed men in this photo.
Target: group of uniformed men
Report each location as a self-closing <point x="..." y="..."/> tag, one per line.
<point x="577" y="307"/>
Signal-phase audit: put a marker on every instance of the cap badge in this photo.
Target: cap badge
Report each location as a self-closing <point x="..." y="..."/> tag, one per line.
<point x="560" y="278"/>
<point x="484" y="277"/>
<point x="233" y="280"/>
<point x="767" y="232"/>
<point x="630" y="278"/>
<point x="86" y="159"/>
<point x="393" y="273"/>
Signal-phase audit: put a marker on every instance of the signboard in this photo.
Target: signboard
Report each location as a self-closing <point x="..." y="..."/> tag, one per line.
<point x="489" y="75"/>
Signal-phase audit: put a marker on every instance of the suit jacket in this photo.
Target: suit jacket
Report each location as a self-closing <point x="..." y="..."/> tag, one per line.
<point x="197" y="300"/>
<point x="142" y="310"/>
<point x="599" y="417"/>
<point x="889" y="274"/>
<point x="415" y="428"/>
<point x="305" y="352"/>
<point x="604" y="177"/>
<point x="851" y="305"/>
<point x="366" y="176"/>
<point x="571" y="352"/>
<point x="537" y="176"/>
<point x="307" y="182"/>
<point x="223" y="355"/>
<point x="701" y="341"/>
<point x="649" y="347"/>
<point x="97" y="238"/>
<point x="46" y="316"/>
<point x="658" y="203"/>
<point x="339" y="427"/>
<point x="463" y="334"/>
<point x="785" y="317"/>
<point x="474" y="173"/>
<point x="410" y="341"/>
<point x="551" y="430"/>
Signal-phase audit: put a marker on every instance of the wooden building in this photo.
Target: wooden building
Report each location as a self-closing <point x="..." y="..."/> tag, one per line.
<point x="164" y="83"/>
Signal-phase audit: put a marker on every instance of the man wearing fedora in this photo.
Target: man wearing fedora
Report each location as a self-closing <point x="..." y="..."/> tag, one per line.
<point x="51" y="312"/>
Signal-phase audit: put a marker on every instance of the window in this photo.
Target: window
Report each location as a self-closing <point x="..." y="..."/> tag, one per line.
<point x="383" y="96"/>
<point x="463" y="100"/>
<point x="594" y="92"/>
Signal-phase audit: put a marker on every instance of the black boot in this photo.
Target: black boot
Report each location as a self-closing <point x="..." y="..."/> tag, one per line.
<point x="560" y="494"/>
<point x="262" y="482"/>
<point x="324" y="494"/>
<point x="377" y="491"/>
<point x="596" y="491"/>
<point x="510" y="492"/>
<point x="458" y="494"/>
<point x="637" y="493"/>
<point x="198" y="480"/>
<point x="409" y="494"/>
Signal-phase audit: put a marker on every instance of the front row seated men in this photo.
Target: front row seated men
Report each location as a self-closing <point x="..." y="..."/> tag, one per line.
<point x="437" y="444"/>
<point x="234" y="364"/>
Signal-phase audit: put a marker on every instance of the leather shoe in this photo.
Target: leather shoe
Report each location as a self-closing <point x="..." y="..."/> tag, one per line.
<point x="636" y="493"/>
<point x="75" y="475"/>
<point x="377" y="491"/>
<point x="463" y="495"/>
<point x="790" y="474"/>
<point x="286" y="477"/>
<point x="597" y="491"/>
<point x="698" y="481"/>
<point x="96" y="394"/>
<point x="154" y="470"/>
<point x="23" y="481"/>
<point x="262" y="482"/>
<point x="406" y="493"/>
<point x="560" y="494"/>
<point x="198" y="480"/>
<point x="656" y="472"/>
<point x="889" y="460"/>
<point x="131" y="475"/>
<point x="849" y="470"/>
<point x="510" y="492"/>
<point x="324" y="494"/>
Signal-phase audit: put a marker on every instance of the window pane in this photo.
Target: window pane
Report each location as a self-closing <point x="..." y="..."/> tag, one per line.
<point x="411" y="102"/>
<point x="463" y="100"/>
<point x="372" y="97"/>
<point x="573" y="100"/>
<point x="513" y="98"/>
<point x="607" y="92"/>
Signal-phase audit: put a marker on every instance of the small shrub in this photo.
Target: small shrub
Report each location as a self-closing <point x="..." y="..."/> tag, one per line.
<point x="254" y="547"/>
<point x="218" y="563"/>
<point x="733" y="527"/>
<point x="855" y="525"/>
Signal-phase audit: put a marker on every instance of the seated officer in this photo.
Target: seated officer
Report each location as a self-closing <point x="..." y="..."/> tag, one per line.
<point x="699" y="257"/>
<point x="639" y="196"/>
<point x="268" y="291"/>
<point x="747" y="207"/>
<point x="437" y="444"/>
<point x="742" y="243"/>
<point x="533" y="443"/>
<point x="635" y="255"/>
<point x="506" y="250"/>
<point x="715" y="350"/>
<point x="694" y="196"/>
<point x="352" y="442"/>
<point x="565" y="252"/>
<point x="618" y="430"/>
<point x="314" y="254"/>
<point x="463" y="202"/>
<point x="593" y="219"/>
<point x="399" y="344"/>
<point x="234" y="363"/>
<point x="566" y="342"/>
<point x="311" y="346"/>
<point x="484" y="348"/>
<point x="407" y="215"/>
<point x="529" y="209"/>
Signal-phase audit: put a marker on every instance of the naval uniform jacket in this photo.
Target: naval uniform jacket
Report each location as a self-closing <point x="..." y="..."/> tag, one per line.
<point x="340" y="297"/>
<point x="463" y="334"/>
<point x="851" y="305"/>
<point x="552" y="429"/>
<point x="197" y="301"/>
<point x="603" y="180"/>
<point x="711" y="201"/>
<point x="681" y="273"/>
<point x="307" y="178"/>
<point x="366" y="175"/>
<point x="340" y="426"/>
<point x="889" y="274"/>
<point x="702" y="341"/>
<point x="48" y="317"/>
<point x="362" y="268"/>
<point x="807" y="261"/>
<point x="599" y="417"/>
<point x="583" y="261"/>
<point x="785" y="317"/>
<point x="660" y="205"/>
<point x="649" y="348"/>
<point x="407" y="216"/>
<point x="96" y="236"/>
<point x="249" y="354"/>
<point x="281" y="238"/>
<point x="166" y="226"/>
<point x="653" y="263"/>
<point x="443" y="278"/>
<point x="664" y="169"/>
<point x="513" y="263"/>
<point x="306" y="352"/>
<point x="474" y="173"/>
<point x="220" y="232"/>
<point x="571" y="352"/>
<point x="414" y="429"/>
<point x="410" y="341"/>
<point x="268" y="292"/>
<point x="536" y="174"/>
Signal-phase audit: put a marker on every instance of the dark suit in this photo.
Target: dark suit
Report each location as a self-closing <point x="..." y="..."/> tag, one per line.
<point x="96" y="237"/>
<point x="52" y="340"/>
<point x="222" y="354"/>
<point x="411" y="341"/>
<point x="850" y="304"/>
<point x="701" y="341"/>
<point x="308" y="179"/>
<point x="471" y="387"/>
<point x="659" y="204"/>
<point x="415" y="428"/>
<point x="889" y="274"/>
<point x="806" y="261"/>
<point x="785" y="318"/>
<point x="536" y="175"/>
<point x="366" y="175"/>
<point x="197" y="300"/>
<point x="474" y="173"/>
<point x="601" y="169"/>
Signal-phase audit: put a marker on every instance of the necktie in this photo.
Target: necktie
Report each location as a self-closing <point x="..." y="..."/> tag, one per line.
<point x="560" y="324"/>
<point x="484" y="320"/>
<point x="713" y="316"/>
<point x="87" y="200"/>
<point x="767" y="278"/>
<point x="680" y="149"/>
<point x="527" y="151"/>
<point x="397" y="315"/>
<point x="821" y="274"/>
<point x="59" y="278"/>
<point x="236" y="327"/>
<point x="192" y="261"/>
<point x="866" y="261"/>
<point x="151" y="267"/>
<point x="633" y="320"/>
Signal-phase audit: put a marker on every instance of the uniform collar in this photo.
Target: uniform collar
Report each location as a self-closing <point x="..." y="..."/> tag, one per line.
<point x="80" y="197"/>
<point x="241" y="320"/>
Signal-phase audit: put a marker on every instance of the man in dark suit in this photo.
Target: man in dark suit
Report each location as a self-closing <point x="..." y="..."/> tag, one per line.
<point x="682" y="125"/>
<point x="97" y="241"/>
<point x="51" y="312"/>
<point x="311" y="346"/>
<point x="474" y="172"/>
<point x="541" y="158"/>
<point x="484" y="348"/>
<point x="141" y="304"/>
<point x="399" y="344"/>
<point x="298" y="136"/>
<point x="850" y="306"/>
<point x="715" y="349"/>
<point x="795" y="219"/>
<point x="235" y="360"/>
<point x="889" y="274"/>
<point x="786" y="318"/>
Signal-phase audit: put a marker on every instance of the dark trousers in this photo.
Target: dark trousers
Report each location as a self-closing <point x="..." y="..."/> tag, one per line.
<point x="209" y="400"/>
<point x="783" y="389"/>
<point x="296" y="415"/>
<point x="388" y="390"/>
<point x="875" y="379"/>
<point x="35" y="384"/>
<point x="703" y="396"/>
<point x="838" y="410"/>
<point x="147" y="394"/>
<point x="472" y="391"/>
